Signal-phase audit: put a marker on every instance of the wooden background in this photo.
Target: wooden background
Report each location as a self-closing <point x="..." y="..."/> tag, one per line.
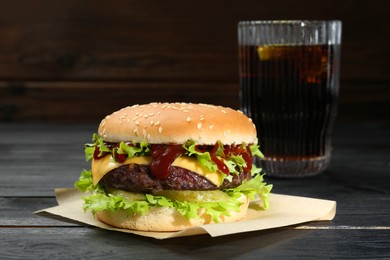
<point x="79" y="60"/>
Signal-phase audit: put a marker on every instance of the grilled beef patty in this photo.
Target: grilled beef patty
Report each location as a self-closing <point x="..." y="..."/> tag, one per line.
<point x="137" y="178"/>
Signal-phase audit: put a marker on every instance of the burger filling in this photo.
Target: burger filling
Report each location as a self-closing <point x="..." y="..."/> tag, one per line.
<point x="137" y="176"/>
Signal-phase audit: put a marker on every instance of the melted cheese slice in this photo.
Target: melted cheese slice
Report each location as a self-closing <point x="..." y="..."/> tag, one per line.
<point x="193" y="165"/>
<point x="102" y="166"/>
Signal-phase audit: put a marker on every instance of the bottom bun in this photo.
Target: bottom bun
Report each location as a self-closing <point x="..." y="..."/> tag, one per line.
<point x="166" y="219"/>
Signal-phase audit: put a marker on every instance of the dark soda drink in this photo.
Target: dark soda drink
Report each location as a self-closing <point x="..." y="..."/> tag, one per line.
<point x="290" y="92"/>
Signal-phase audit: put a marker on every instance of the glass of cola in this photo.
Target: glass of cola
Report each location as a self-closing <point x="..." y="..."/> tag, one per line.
<point x="289" y="85"/>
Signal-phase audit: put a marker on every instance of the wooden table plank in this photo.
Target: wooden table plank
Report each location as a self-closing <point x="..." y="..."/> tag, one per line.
<point x="71" y="243"/>
<point x="37" y="158"/>
<point x="90" y="101"/>
<point x="73" y="40"/>
<point x="18" y="212"/>
<point x="32" y="166"/>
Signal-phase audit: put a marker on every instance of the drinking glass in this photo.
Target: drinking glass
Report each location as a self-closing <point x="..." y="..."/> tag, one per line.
<point x="289" y="85"/>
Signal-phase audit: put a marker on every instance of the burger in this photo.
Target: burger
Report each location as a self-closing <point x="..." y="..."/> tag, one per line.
<point x="170" y="166"/>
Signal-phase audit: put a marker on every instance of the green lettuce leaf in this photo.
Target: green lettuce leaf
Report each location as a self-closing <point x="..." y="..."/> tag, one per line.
<point x="90" y="147"/>
<point x="235" y="163"/>
<point x="253" y="187"/>
<point x="99" y="142"/>
<point x="89" y="150"/>
<point x="133" y="150"/>
<point x="99" y="200"/>
<point x="204" y="158"/>
<point x="255" y="170"/>
<point x="85" y="183"/>
<point x="255" y="149"/>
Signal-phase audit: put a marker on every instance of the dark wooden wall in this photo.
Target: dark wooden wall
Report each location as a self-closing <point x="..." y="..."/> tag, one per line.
<point x="79" y="60"/>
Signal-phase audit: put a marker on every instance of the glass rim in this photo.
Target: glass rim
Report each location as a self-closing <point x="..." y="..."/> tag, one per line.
<point x="288" y="22"/>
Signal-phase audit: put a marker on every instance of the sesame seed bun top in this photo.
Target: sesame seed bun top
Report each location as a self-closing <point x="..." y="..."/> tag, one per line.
<point x="176" y="123"/>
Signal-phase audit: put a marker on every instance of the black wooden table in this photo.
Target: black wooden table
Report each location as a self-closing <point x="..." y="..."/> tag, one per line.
<point x="36" y="158"/>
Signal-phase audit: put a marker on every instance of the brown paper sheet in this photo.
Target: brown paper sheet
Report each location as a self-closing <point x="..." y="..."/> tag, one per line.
<point x="284" y="211"/>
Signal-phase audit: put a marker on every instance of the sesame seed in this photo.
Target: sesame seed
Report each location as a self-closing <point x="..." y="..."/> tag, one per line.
<point x="160" y="130"/>
<point x="148" y="136"/>
<point x="151" y="122"/>
<point x="188" y="119"/>
<point x="199" y="125"/>
<point x="157" y="123"/>
<point x="211" y="127"/>
<point x="224" y="111"/>
<point x="136" y="122"/>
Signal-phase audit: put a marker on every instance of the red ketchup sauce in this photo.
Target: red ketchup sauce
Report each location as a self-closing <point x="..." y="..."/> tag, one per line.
<point x="162" y="158"/>
<point x="164" y="155"/>
<point x="219" y="162"/>
<point x="97" y="154"/>
<point x="245" y="152"/>
<point x="228" y="150"/>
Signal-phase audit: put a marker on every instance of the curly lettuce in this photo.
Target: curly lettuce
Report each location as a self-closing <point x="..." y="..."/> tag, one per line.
<point x="129" y="149"/>
<point x="204" y="158"/>
<point x="235" y="163"/>
<point x="99" y="200"/>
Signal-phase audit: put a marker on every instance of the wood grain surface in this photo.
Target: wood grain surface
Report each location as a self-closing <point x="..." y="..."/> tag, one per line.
<point x="38" y="157"/>
<point x="59" y="59"/>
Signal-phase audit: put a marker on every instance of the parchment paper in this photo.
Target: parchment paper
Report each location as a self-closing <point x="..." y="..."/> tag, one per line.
<point x="284" y="211"/>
